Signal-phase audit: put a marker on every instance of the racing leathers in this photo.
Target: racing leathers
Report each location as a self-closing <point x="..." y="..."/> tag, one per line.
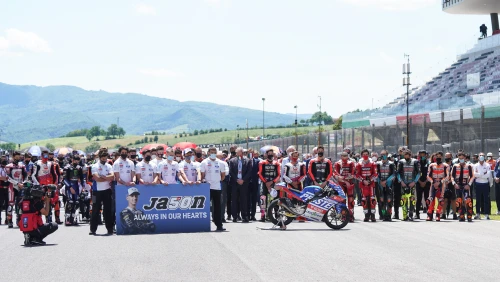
<point x="44" y="173"/>
<point x="17" y="175"/>
<point x="73" y="180"/>
<point x="294" y="174"/>
<point x="408" y="175"/>
<point x="344" y="172"/>
<point x="462" y="176"/>
<point x="134" y="222"/>
<point x="366" y="173"/>
<point x="438" y="177"/>
<point x="386" y="171"/>
<point x="320" y="171"/>
<point x="269" y="171"/>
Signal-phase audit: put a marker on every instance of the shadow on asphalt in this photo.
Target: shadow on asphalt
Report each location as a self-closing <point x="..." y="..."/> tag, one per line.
<point x="39" y="246"/>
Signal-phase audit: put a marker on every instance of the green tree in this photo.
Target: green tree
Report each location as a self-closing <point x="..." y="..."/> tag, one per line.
<point x="89" y="136"/>
<point x="195" y="132"/>
<point x="102" y="132"/>
<point x="113" y="130"/>
<point x="8" y="146"/>
<point x="50" y="146"/>
<point x="302" y="121"/>
<point x="95" y="131"/>
<point x="121" y="132"/>
<point x="338" y="124"/>
<point x="225" y="129"/>
<point x="155" y="138"/>
<point x="92" y="147"/>
<point x="151" y="139"/>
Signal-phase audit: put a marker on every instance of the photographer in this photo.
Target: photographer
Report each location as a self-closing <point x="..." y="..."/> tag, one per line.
<point x="31" y="223"/>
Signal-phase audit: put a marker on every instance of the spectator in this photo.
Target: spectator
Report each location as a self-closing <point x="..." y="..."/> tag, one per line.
<point x="211" y="173"/>
<point x="240" y="171"/>
<point x="482" y="175"/>
<point x="484" y="31"/>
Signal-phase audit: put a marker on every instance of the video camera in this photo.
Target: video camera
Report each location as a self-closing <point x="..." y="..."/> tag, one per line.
<point x="38" y="191"/>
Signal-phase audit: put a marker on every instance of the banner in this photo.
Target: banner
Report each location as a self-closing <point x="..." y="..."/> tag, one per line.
<point x="151" y="209"/>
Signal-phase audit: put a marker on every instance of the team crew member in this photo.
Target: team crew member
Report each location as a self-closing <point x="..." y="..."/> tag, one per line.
<point x="154" y="157"/>
<point x="437" y="175"/>
<point x="44" y="174"/>
<point x="386" y="171"/>
<point x="408" y="175"/>
<point x="198" y="153"/>
<point x="168" y="170"/>
<point x="212" y="173"/>
<point x="17" y="172"/>
<point x="449" y="196"/>
<point x="294" y="172"/>
<point x="320" y="169"/>
<point x="74" y="182"/>
<point x="269" y="174"/>
<point x="102" y="174"/>
<point x="189" y="169"/>
<point x="397" y="184"/>
<point x="343" y="172"/>
<point x="178" y="155"/>
<point x="366" y="173"/>
<point x="462" y="175"/>
<point x="482" y="176"/>
<point x="124" y="169"/>
<point x="286" y="160"/>
<point x="145" y="172"/>
<point x="422" y="185"/>
<point x="4" y="188"/>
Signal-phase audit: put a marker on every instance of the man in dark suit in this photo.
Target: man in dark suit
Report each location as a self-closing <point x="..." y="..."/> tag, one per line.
<point x="240" y="171"/>
<point x="253" y="187"/>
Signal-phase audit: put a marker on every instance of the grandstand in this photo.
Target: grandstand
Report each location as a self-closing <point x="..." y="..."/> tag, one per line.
<point x="461" y="94"/>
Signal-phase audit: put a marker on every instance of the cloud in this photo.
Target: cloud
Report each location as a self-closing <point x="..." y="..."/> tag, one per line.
<point x="394" y="5"/>
<point x="16" y="42"/>
<point x="160" y="73"/>
<point x="213" y="2"/>
<point x="145" y="9"/>
<point x="435" y="49"/>
<point x="386" y="58"/>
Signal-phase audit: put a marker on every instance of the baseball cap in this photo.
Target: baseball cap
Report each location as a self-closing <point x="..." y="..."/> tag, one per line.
<point x="186" y="151"/>
<point x="132" y="191"/>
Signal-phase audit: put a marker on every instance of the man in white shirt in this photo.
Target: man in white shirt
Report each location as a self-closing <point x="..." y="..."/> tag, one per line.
<point x="189" y="169"/>
<point x="212" y="173"/>
<point x="482" y="177"/>
<point x="124" y="168"/>
<point x="102" y="174"/>
<point x="145" y="172"/>
<point x="224" y="182"/>
<point x="157" y="155"/>
<point x="168" y="170"/>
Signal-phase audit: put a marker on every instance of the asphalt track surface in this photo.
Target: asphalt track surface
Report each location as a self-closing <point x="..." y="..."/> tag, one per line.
<point x="381" y="251"/>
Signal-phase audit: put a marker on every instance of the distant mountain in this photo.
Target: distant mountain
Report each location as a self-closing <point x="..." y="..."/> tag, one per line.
<point x="33" y="113"/>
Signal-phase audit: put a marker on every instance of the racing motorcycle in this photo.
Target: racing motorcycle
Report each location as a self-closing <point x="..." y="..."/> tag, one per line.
<point x="313" y="203"/>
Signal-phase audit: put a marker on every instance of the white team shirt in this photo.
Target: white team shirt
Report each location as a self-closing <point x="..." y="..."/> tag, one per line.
<point x="212" y="170"/>
<point x="190" y="170"/>
<point x="102" y="170"/>
<point x="124" y="168"/>
<point x="168" y="171"/>
<point x="146" y="170"/>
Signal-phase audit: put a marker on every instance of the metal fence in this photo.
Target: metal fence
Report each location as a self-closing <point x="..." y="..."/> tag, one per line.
<point x="477" y="133"/>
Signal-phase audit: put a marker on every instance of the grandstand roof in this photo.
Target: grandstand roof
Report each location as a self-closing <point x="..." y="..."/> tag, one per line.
<point x="471" y="7"/>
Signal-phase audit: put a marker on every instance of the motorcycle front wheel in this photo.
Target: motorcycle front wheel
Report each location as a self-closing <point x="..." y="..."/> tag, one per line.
<point x="336" y="220"/>
<point x="277" y="214"/>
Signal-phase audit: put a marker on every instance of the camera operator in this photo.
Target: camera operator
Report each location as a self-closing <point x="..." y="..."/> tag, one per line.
<point x="31" y="223"/>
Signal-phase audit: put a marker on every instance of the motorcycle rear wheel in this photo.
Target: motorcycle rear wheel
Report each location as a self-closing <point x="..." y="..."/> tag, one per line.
<point x="336" y="221"/>
<point x="275" y="213"/>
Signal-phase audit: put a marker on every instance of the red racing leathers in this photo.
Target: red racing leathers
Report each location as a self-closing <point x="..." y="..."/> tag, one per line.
<point x="17" y="172"/>
<point x="437" y="175"/>
<point x="366" y="173"/>
<point x="461" y="175"/>
<point x="45" y="173"/>
<point x="344" y="172"/>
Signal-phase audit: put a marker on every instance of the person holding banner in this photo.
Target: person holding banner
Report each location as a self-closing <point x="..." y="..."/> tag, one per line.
<point x="189" y="169"/>
<point x="124" y="168"/>
<point x="212" y="173"/>
<point x="145" y="172"/>
<point x="168" y="170"/>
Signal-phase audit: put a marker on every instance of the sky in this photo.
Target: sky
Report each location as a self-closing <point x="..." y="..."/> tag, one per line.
<point x="235" y="52"/>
